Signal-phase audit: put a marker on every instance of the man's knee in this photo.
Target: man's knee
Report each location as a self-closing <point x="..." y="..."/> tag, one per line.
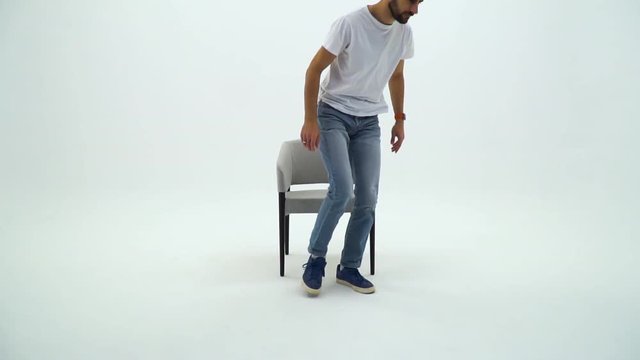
<point x="366" y="199"/>
<point x="340" y="193"/>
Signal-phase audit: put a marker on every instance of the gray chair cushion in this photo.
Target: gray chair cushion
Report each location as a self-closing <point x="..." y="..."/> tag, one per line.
<point x="296" y="165"/>
<point x="307" y="201"/>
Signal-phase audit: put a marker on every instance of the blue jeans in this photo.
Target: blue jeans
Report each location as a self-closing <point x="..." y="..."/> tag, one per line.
<point x="350" y="149"/>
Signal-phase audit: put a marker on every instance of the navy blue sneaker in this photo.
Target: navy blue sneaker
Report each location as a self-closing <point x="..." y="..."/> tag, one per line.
<point x="313" y="273"/>
<point x="351" y="277"/>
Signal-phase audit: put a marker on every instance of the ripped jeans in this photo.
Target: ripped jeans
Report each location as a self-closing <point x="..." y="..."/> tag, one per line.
<point x="350" y="149"/>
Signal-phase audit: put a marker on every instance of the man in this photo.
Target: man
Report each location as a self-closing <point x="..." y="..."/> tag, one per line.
<point x="366" y="50"/>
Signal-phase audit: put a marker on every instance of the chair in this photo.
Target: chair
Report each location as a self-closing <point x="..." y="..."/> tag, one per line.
<point x="298" y="166"/>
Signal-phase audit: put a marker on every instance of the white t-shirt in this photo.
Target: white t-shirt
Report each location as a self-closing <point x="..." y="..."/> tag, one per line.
<point x="367" y="51"/>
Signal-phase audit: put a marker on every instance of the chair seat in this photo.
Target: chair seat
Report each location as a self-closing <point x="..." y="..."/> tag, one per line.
<point x="307" y="201"/>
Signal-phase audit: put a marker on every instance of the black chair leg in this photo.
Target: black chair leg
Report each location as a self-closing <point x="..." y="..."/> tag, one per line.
<point x="281" y="224"/>
<point x="372" y="248"/>
<point x="286" y="235"/>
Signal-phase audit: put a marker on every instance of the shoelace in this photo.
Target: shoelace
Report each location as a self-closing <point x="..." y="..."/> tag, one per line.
<point x="315" y="267"/>
<point x="356" y="274"/>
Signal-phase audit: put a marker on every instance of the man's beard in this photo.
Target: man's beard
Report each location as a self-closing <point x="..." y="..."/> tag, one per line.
<point x="402" y="18"/>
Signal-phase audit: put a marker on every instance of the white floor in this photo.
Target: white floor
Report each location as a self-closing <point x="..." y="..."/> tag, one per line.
<point x="180" y="275"/>
<point x="137" y="185"/>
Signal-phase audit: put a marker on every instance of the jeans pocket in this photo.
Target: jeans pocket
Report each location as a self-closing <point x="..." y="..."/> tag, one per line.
<point x="329" y="118"/>
<point x="327" y="122"/>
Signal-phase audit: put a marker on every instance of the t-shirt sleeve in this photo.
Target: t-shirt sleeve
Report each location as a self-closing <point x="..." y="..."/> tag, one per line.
<point x="408" y="44"/>
<point x="338" y="38"/>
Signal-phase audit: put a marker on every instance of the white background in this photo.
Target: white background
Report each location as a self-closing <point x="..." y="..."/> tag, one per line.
<point x="138" y="212"/>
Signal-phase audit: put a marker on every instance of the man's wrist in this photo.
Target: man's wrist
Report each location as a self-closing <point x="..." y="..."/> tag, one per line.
<point x="400" y="117"/>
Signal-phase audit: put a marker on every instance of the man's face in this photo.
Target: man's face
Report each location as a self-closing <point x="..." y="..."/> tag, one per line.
<point x="402" y="10"/>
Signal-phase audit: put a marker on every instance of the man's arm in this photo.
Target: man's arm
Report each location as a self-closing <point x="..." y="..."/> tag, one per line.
<point x="396" y="90"/>
<point x="310" y="134"/>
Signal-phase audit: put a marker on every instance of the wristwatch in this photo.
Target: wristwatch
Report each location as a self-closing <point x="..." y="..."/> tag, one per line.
<point x="400" y="116"/>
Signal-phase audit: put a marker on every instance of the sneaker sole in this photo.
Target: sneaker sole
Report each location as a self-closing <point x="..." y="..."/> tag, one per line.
<point x="310" y="291"/>
<point x="370" y="290"/>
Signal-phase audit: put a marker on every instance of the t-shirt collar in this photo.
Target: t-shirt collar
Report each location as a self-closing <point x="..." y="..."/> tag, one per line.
<point x="375" y="21"/>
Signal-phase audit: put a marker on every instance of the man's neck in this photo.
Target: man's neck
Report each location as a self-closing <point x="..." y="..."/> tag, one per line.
<point x="381" y="12"/>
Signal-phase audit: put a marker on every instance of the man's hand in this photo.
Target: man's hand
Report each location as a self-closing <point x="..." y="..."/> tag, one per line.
<point x="397" y="136"/>
<point x="310" y="135"/>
